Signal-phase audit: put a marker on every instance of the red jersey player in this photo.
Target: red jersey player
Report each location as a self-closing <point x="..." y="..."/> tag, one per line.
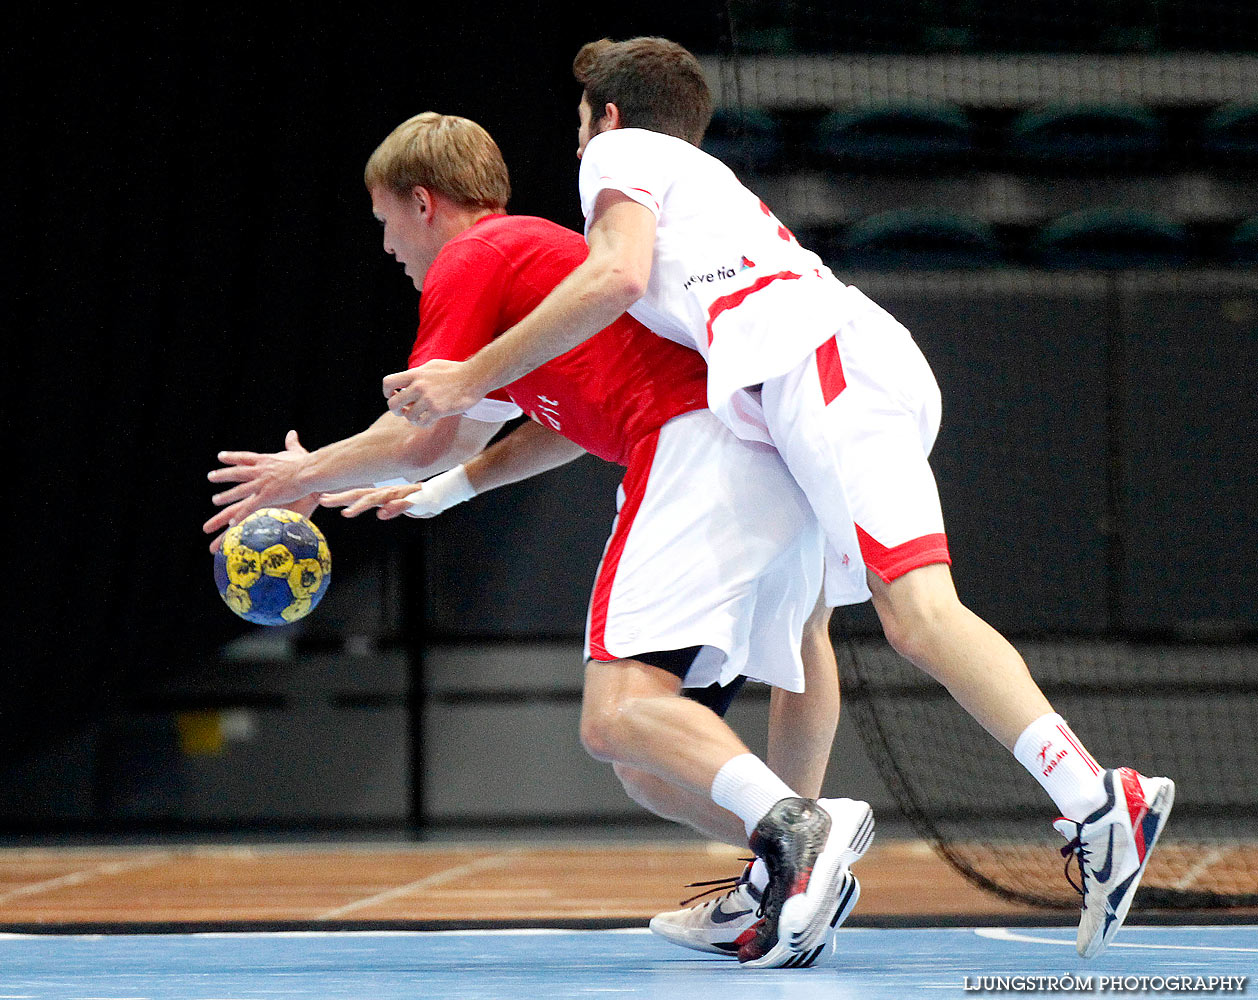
<point x="714" y="560"/>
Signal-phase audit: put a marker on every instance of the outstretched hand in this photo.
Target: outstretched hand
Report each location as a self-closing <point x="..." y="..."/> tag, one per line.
<point x="262" y="480"/>
<point x="389" y="501"/>
<point x="431" y="392"/>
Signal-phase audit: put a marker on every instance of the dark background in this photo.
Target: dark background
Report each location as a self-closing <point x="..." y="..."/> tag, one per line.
<point x="196" y="268"/>
<point x="192" y="266"/>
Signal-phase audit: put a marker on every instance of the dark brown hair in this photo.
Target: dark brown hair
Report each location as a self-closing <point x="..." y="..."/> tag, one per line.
<point x="656" y="84"/>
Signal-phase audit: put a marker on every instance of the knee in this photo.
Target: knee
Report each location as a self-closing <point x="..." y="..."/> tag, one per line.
<point x="597" y="734"/>
<point x="605" y="729"/>
<point x="914" y="618"/>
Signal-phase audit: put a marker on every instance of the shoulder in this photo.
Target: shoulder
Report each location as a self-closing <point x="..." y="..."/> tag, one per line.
<point x="640" y="142"/>
<point x="509" y="235"/>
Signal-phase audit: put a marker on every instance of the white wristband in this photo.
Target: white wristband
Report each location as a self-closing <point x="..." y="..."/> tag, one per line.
<point x="440" y="493"/>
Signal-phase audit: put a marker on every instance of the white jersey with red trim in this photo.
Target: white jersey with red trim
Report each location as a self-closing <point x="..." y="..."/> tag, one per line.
<point x="727" y="278"/>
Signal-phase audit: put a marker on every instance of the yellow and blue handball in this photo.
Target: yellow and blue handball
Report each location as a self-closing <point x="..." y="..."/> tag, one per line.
<point x="273" y="567"/>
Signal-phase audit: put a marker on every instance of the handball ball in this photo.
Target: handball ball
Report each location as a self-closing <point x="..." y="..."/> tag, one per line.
<point x="273" y="567"/>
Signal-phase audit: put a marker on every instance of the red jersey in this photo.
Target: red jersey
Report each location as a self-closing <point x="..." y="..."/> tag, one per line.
<point x="605" y="394"/>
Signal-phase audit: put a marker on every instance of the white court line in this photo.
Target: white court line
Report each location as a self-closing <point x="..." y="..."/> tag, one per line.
<point x="438" y="878"/>
<point x="86" y="875"/>
<point x="1005" y="934"/>
<point x="1207" y="859"/>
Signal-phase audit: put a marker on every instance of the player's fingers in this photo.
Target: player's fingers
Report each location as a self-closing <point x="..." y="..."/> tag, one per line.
<point x="356" y="507"/>
<point x="216" y="544"/>
<point x="217" y="523"/>
<point x="232" y="474"/>
<point x="238" y="457"/>
<point x="339" y="499"/>
<point x="404" y="399"/>
<point x="392" y="509"/>
<point x="390" y="384"/>
<point x="242" y="509"/>
<point x="232" y="495"/>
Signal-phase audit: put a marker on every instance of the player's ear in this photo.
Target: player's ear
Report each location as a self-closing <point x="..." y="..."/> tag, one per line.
<point x="611" y="115"/>
<point x="421" y="199"/>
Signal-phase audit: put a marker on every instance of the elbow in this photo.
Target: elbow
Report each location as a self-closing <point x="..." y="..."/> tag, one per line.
<point x="628" y="286"/>
<point x="619" y="283"/>
<point x="423" y="446"/>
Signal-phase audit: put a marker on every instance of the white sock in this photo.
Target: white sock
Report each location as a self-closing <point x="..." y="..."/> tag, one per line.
<point x="746" y="787"/>
<point x="1055" y="757"/>
<point x="759" y="875"/>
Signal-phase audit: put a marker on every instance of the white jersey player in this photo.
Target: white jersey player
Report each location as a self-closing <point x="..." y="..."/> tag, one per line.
<point x="731" y="281"/>
<point x="837" y="386"/>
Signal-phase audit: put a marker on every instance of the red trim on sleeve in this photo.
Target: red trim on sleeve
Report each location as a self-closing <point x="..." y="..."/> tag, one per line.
<point x="634" y="485"/>
<point x="830" y="370"/>
<point x="735" y="299"/>
<point x="892" y="563"/>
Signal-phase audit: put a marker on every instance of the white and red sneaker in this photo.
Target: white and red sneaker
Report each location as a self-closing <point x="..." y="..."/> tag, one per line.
<point x="723" y="924"/>
<point x="1112" y="846"/>
<point x="716" y="925"/>
<point x="808" y="846"/>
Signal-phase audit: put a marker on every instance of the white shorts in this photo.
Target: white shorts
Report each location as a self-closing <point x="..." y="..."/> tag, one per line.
<point x="715" y="546"/>
<point x="855" y="422"/>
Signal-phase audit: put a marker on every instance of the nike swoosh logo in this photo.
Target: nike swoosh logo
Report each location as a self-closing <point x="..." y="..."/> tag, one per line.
<point x="720" y="916"/>
<point x="1115" y="897"/>
<point x="1103" y="873"/>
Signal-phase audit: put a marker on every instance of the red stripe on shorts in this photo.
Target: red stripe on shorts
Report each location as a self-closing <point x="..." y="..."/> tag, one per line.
<point x="892" y="563"/>
<point x="735" y="299"/>
<point x="634" y="485"/>
<point x="830" y="370"/>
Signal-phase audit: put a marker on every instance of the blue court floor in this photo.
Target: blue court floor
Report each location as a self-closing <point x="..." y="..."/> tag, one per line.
<point x="872" y="964"/>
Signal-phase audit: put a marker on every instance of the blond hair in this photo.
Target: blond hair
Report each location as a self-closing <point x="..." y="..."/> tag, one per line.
<point x="447" y="154"/>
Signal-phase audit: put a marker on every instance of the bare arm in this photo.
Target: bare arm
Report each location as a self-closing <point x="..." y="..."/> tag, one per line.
<point x="612" y="277"/>
<point x="529" y="450"/>
<point x="389" y="448"/>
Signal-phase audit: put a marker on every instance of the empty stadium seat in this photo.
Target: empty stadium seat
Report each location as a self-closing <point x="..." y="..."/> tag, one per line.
<point x="1086" y="135"/>
<point x="745" y="138"/>
<point x="893" y="134"/>
<point x="1111" y="238"/>
<point x="918" y="238"/>
<point x="1243" y="246"/>
<point x="1232" y="131"/>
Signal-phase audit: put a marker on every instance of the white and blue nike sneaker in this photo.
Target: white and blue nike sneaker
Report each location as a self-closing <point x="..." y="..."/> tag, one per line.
<point x="1112" y="847"/>
<point x="723" y="924"/>
<point x="716" y="925"/>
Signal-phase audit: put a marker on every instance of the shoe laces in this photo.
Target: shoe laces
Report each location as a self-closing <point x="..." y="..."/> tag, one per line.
<point x="721" y="885"/>
<point x="1076" y="849"/>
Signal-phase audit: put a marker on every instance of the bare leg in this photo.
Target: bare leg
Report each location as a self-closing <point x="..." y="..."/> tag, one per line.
<point x="801" y="734"/>
<point x="634" y="714"/>
<point x="928" y="625"/>
<point x="801" y="726"/>
<point x="681" y="806"/>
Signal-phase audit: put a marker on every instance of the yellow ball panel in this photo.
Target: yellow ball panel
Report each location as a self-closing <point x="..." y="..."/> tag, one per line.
<point x="277" y="560"/>
<point x="298" y="609"/>
<point x="305" y="577"/>
<point x="244" y="566"/>
<point x="237" y="599"/>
